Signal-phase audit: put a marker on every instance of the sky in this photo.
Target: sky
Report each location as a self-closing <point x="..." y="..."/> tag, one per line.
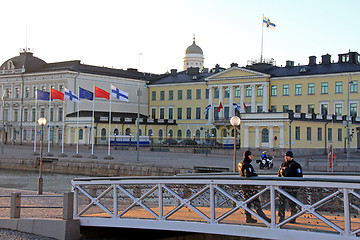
<point x="152" y="35"/>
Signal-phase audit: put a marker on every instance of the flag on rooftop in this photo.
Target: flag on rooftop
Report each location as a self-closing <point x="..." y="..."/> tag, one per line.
<point x="71" y="96"/>
<point x="55" y="94"/>
<point x="86" y="94"/>
<point x="42" y="95"/>
<point x="268" y="23"/>
<point x="121" y="95"/>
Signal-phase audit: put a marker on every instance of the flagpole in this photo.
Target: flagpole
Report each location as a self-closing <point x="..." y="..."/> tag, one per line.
<point x="35" y="120"/>
<point x="109" y="123"/>
<point x="77" y="129"/>
<point x="262" y="38"/>
<point x="49" y="126"/>
<point x="63" y="128"/>
<point x="92" y="123"/>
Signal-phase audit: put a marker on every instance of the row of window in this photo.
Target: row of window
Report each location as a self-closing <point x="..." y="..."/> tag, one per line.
<point x="17" y="91"/>
<point x="16" y="117"/>
<point x="319" y="134"/>
<point x="311" y="88"/>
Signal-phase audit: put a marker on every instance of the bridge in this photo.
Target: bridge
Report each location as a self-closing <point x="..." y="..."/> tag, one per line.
<point x="328" y="207"/>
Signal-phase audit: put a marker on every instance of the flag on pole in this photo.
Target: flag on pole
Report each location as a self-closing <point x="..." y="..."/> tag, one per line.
<point x="42" y="95"/>
<point x="237" y="107"/>
<point x="207" y="109"/>
<point x="268" y="23"/>
<point x="121" y="95"/>
<point x="85" y="94"/>
<point x="69" y="95"/>
<point x="219" y="108"/>
<point x="244" y="107"/>
<point x="99" y="93"/>
<point x="55" y="94"/>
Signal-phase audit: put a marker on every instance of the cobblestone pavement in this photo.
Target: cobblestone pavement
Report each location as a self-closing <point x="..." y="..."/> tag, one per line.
<point x="6" y="234"/>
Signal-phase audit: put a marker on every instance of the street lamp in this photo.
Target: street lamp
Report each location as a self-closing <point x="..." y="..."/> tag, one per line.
<point x="42" y="122"/>
<point x="235" y="121"/>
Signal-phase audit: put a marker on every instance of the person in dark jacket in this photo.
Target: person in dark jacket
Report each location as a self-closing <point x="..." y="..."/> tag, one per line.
<point x="289" y="168"/>
<point x="246" y="170"/>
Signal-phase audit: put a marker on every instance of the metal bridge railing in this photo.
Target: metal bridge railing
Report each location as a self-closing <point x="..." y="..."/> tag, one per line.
<point x="326" y="208"/>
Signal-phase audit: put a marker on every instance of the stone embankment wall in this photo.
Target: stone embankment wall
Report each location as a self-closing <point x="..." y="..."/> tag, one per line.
<point x="90" y="167"/>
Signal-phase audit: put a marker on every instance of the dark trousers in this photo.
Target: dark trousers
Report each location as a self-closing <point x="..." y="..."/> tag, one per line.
<point x="283" y="200"/>
<point x="256" y="202"/>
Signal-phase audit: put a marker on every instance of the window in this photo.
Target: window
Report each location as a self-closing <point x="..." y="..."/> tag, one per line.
<point x="81" y="134"/>
<point x="311" y="88"/>
<point x="7" y="93"/>
<point x="171" y="113"/>
<point x="265" y="135"/>
<point x="43" y="88"/>
<point x="161" y="113"/>
<point x="33" y="114"/>
<point x="153" y="113"/>
<point x="60" y="114"/>
<point x="198" y="113"/>
<point x="248" y="91"/>
<point x="188" y="94"/>
<point x="34" y="91"/>
<point x="171" y="133"/>
<point x="27" y="92"/>
<point x="207" y="93"/>
<point x="51" y="114"/>
<point x="338" y="109"/>
<point x="248" y="109"/>
<point x="127" y="132"/>
<point x="179" y="134"/>
<point x="260" y="91"/>
<point x="162" y="95"/>
<point x="25" y="115"/>
<point x="150" y="132"/>
<point x="188" y="113"/>
<point x="116" y="132"/>
<point x="16" y="115"/>
<point x="308" y="133"/>
<point x="171" y="95"/>
<point x="298" y="108"/>
<point x="103" y="134"/>
<point x="227" y="92"/>
<point x="311" y="108"/>
<point x="338" y="87"/>
<point x="297" y="133"/>
<point x="298" y="89"/>
<point x="285" y="108"/>
<point x="179" y="114"/>
<point x="216" y="113"/>
<point x="33" y="135"/>
<point x="339" y="134"/>
<point x="274" y="90"/>
<point x="24" y="134"/>
<point x="161" y="134"/>
<point x="329" y="134"/>
<point x="353" y="109"/>
<point x="286" y="90"/>
<point x="216" y="92"/>
<point x="179" y="94"/>
<point x="226" y="112"/>
<point x="259" y="109"/>
<point x="273" y="108"/>
<point x="188" y="133"/>
<point x="237" y="92"/>
<point x="153" y="95"/>
<point x="324" y="109"/>
<point x="319" y="133"/>
<point x="324" y="88"/>
<point x="61" y="88"/>
<point x="197" y="134"/>
<point x="354" y="87"/>
<point x="17" y="93"/>
<point x="198" y="93"/>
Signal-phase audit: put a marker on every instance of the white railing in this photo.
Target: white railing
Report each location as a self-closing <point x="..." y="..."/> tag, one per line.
<point x="327" y="208"/>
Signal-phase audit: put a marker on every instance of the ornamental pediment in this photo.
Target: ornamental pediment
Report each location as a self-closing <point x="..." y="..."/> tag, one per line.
<point x="235" y="73"/>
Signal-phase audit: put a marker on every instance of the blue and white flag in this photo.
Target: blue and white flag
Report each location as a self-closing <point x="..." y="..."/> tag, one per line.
<point x="237" y="107"/>
<point x="207" y="109"/>
<point x="121" y="95"/>
<point x="71" y="96"/>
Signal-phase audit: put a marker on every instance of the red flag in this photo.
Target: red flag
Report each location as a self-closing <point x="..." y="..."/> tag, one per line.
<point x="219" y="108"/>
<point x="55" y="94"/>
<point x="99" y="93"/>
<point x="244" y="107"/>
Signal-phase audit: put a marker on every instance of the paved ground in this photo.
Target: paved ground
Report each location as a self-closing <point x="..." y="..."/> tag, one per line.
<point x="179" y="159"/>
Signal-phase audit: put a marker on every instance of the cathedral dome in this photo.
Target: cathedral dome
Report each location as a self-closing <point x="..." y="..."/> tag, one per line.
<point x="193" y="49"/>
<point x="25" y="60"/>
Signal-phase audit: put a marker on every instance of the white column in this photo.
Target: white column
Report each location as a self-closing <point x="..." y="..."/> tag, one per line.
<point x="253" y="97"/>
<point x="265" y="98"/>
<point x="242" y="98"/>
<point x="231" y="99"/>
<point x="257" y="137"/>
<point x="281" y="137"/>
<point x="221" y="113"/>
<point x="210" y="112"/>
<point x="271" y="137"/>
<point x="246" y="136"/>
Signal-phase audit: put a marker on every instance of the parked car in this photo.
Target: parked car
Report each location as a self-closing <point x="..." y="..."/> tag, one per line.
<point x="188" y="142"/>
<point x="170" y="142"/>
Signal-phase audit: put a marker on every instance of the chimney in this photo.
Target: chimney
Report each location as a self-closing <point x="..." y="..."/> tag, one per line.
<point x="326" y="59"/>
<point x="173" y="71"/>
<point x="289" y="63"/>
<point x="234" y="65"/>
<point x="312" y="60"/>
<point x="192" y="71"/>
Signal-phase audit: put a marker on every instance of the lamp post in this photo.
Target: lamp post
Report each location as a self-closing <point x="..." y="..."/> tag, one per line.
<point x="235" y="121"/>
<point x="348" y="125"/>
<point x="3" y="122"/>
<point x="42" y="122"/>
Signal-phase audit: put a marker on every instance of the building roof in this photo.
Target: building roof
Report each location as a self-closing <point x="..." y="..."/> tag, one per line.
<point x="25" y="60"/>
<point x="186" y="76"/>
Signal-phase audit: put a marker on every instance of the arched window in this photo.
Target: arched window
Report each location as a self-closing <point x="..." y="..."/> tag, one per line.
<point x="150" y="132"/>
<point x="140" y="132"/>
<point x="127" y="131"/>
<point x="214" y="132"/>
<point x="188" y="133"/>
<point x="171" y="133"/>
<point x="179" y="134"/>
<point x="197" y="134"/>
<point x="81" y="134"/>
<point x="265" y="135"/>
<point x="224" y="133"/>
<point x="116" y="131"/>
<point x="103" y="134"/>
<point x="161" y="133"/>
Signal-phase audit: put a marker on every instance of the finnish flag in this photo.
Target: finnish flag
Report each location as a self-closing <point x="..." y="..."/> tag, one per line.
<point x="71" y="96"/>
<point x="121" y="95"/>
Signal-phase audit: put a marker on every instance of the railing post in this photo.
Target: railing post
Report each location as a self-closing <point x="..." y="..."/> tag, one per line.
<point x="160" y="202"/>
<point x="272" y="206"/>
<point x="347" y="212"/>
<point x="115" y="200"/>
<point x="212" y="204"/>
<point x="68" y="206"/>
<point x="76" y="203"/>
<point x="15" y="205"/>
